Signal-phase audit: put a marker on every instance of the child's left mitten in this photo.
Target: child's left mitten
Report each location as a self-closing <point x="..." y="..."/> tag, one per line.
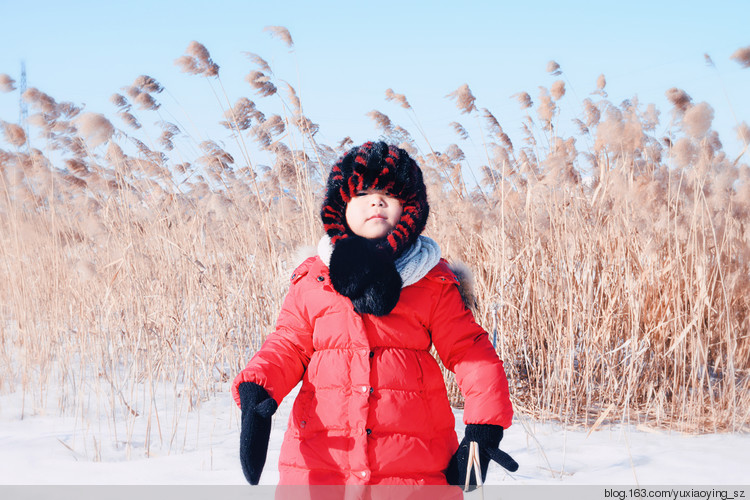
<point x="488" y="438"/>
<point x="257" y="407"/>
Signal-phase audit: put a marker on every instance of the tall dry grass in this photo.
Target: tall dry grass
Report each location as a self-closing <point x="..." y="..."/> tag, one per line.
<point x="610" y="265"/>
<point x="623" y="295"/>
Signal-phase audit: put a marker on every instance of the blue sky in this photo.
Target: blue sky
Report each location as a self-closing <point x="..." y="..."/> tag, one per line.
<point x="348" y="53"/>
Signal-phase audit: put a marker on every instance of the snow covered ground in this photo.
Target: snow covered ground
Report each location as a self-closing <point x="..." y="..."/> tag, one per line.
<point x="45" y="448"/>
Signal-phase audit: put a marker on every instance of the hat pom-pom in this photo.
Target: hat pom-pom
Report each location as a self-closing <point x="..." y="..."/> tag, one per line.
<point x="366" y="275"/>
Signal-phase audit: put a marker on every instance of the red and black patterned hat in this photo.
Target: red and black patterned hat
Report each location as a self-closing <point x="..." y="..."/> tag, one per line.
<point x="380" y="166"/>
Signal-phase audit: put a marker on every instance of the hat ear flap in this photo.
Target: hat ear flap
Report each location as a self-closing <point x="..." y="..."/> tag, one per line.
<point x="334" y="220"/>
<point x="407" y="230"/>
<point x="414" y="213"/>
<point x="333" y="211"/>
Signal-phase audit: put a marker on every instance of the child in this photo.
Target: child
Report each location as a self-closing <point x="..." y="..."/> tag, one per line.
<point x="356" y="327"/>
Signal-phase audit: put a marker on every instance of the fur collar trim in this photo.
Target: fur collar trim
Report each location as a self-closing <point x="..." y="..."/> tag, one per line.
<point x="412" y="266"/>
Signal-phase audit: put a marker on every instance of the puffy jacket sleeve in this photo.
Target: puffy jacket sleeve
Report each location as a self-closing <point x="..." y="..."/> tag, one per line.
<point x="465" y="349"/>
<point x="281" y="362"/>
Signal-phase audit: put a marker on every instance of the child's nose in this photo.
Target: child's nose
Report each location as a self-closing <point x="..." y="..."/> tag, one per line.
<point x="376" y="199"/>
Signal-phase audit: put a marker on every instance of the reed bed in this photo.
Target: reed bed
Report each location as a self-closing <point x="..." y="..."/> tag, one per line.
<point x="612" y="277"/>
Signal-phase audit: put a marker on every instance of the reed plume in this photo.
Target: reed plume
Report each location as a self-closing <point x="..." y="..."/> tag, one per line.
<point x="14" y="134"/>
<point x="197" y="61"/>
<point x="524" y="99"/>
<point x="464" y="99"/>
<point x="390" y="95"/>
<point x="742" y="56"/>
<point x="697" y="120"/>
<point x="679" y="98"/>
<point x="7" y="84"/>
<point x="460" y="130"/>
<point x="259" y="61"/>
<point x="381" y="121"/>
<point x="261" y="83"/>
<point x="95" y="128"/>
<point x="557" y="90"/>
<point x="281" y="33"/>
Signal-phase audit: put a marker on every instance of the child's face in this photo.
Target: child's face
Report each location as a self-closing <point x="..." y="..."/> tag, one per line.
<point x="372" y="213"/>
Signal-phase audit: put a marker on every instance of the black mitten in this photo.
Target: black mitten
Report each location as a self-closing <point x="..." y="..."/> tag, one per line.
<point x="488" y="438"/>
<point x="365" y="274"/>
<point x="257" y="407"/>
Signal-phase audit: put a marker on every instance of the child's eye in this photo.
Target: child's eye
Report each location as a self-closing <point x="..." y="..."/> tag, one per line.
<point x="384" y="193"/>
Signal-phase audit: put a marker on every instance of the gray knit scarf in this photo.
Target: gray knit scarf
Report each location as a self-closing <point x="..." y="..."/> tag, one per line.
<point x="413" y="264"/>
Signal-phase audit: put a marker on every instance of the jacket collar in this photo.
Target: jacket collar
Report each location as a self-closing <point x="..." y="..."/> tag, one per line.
<point x="413" y="265"/>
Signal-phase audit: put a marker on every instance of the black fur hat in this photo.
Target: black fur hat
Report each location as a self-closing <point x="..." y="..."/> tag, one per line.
<point x="363" y="269"/>
<point x="377" y="165"/>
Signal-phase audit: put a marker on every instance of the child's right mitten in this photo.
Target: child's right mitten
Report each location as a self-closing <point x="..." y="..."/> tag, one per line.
<point x="257" y="407"/>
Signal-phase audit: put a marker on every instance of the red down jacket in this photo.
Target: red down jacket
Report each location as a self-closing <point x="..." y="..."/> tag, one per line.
<point x="373" y="407"/>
